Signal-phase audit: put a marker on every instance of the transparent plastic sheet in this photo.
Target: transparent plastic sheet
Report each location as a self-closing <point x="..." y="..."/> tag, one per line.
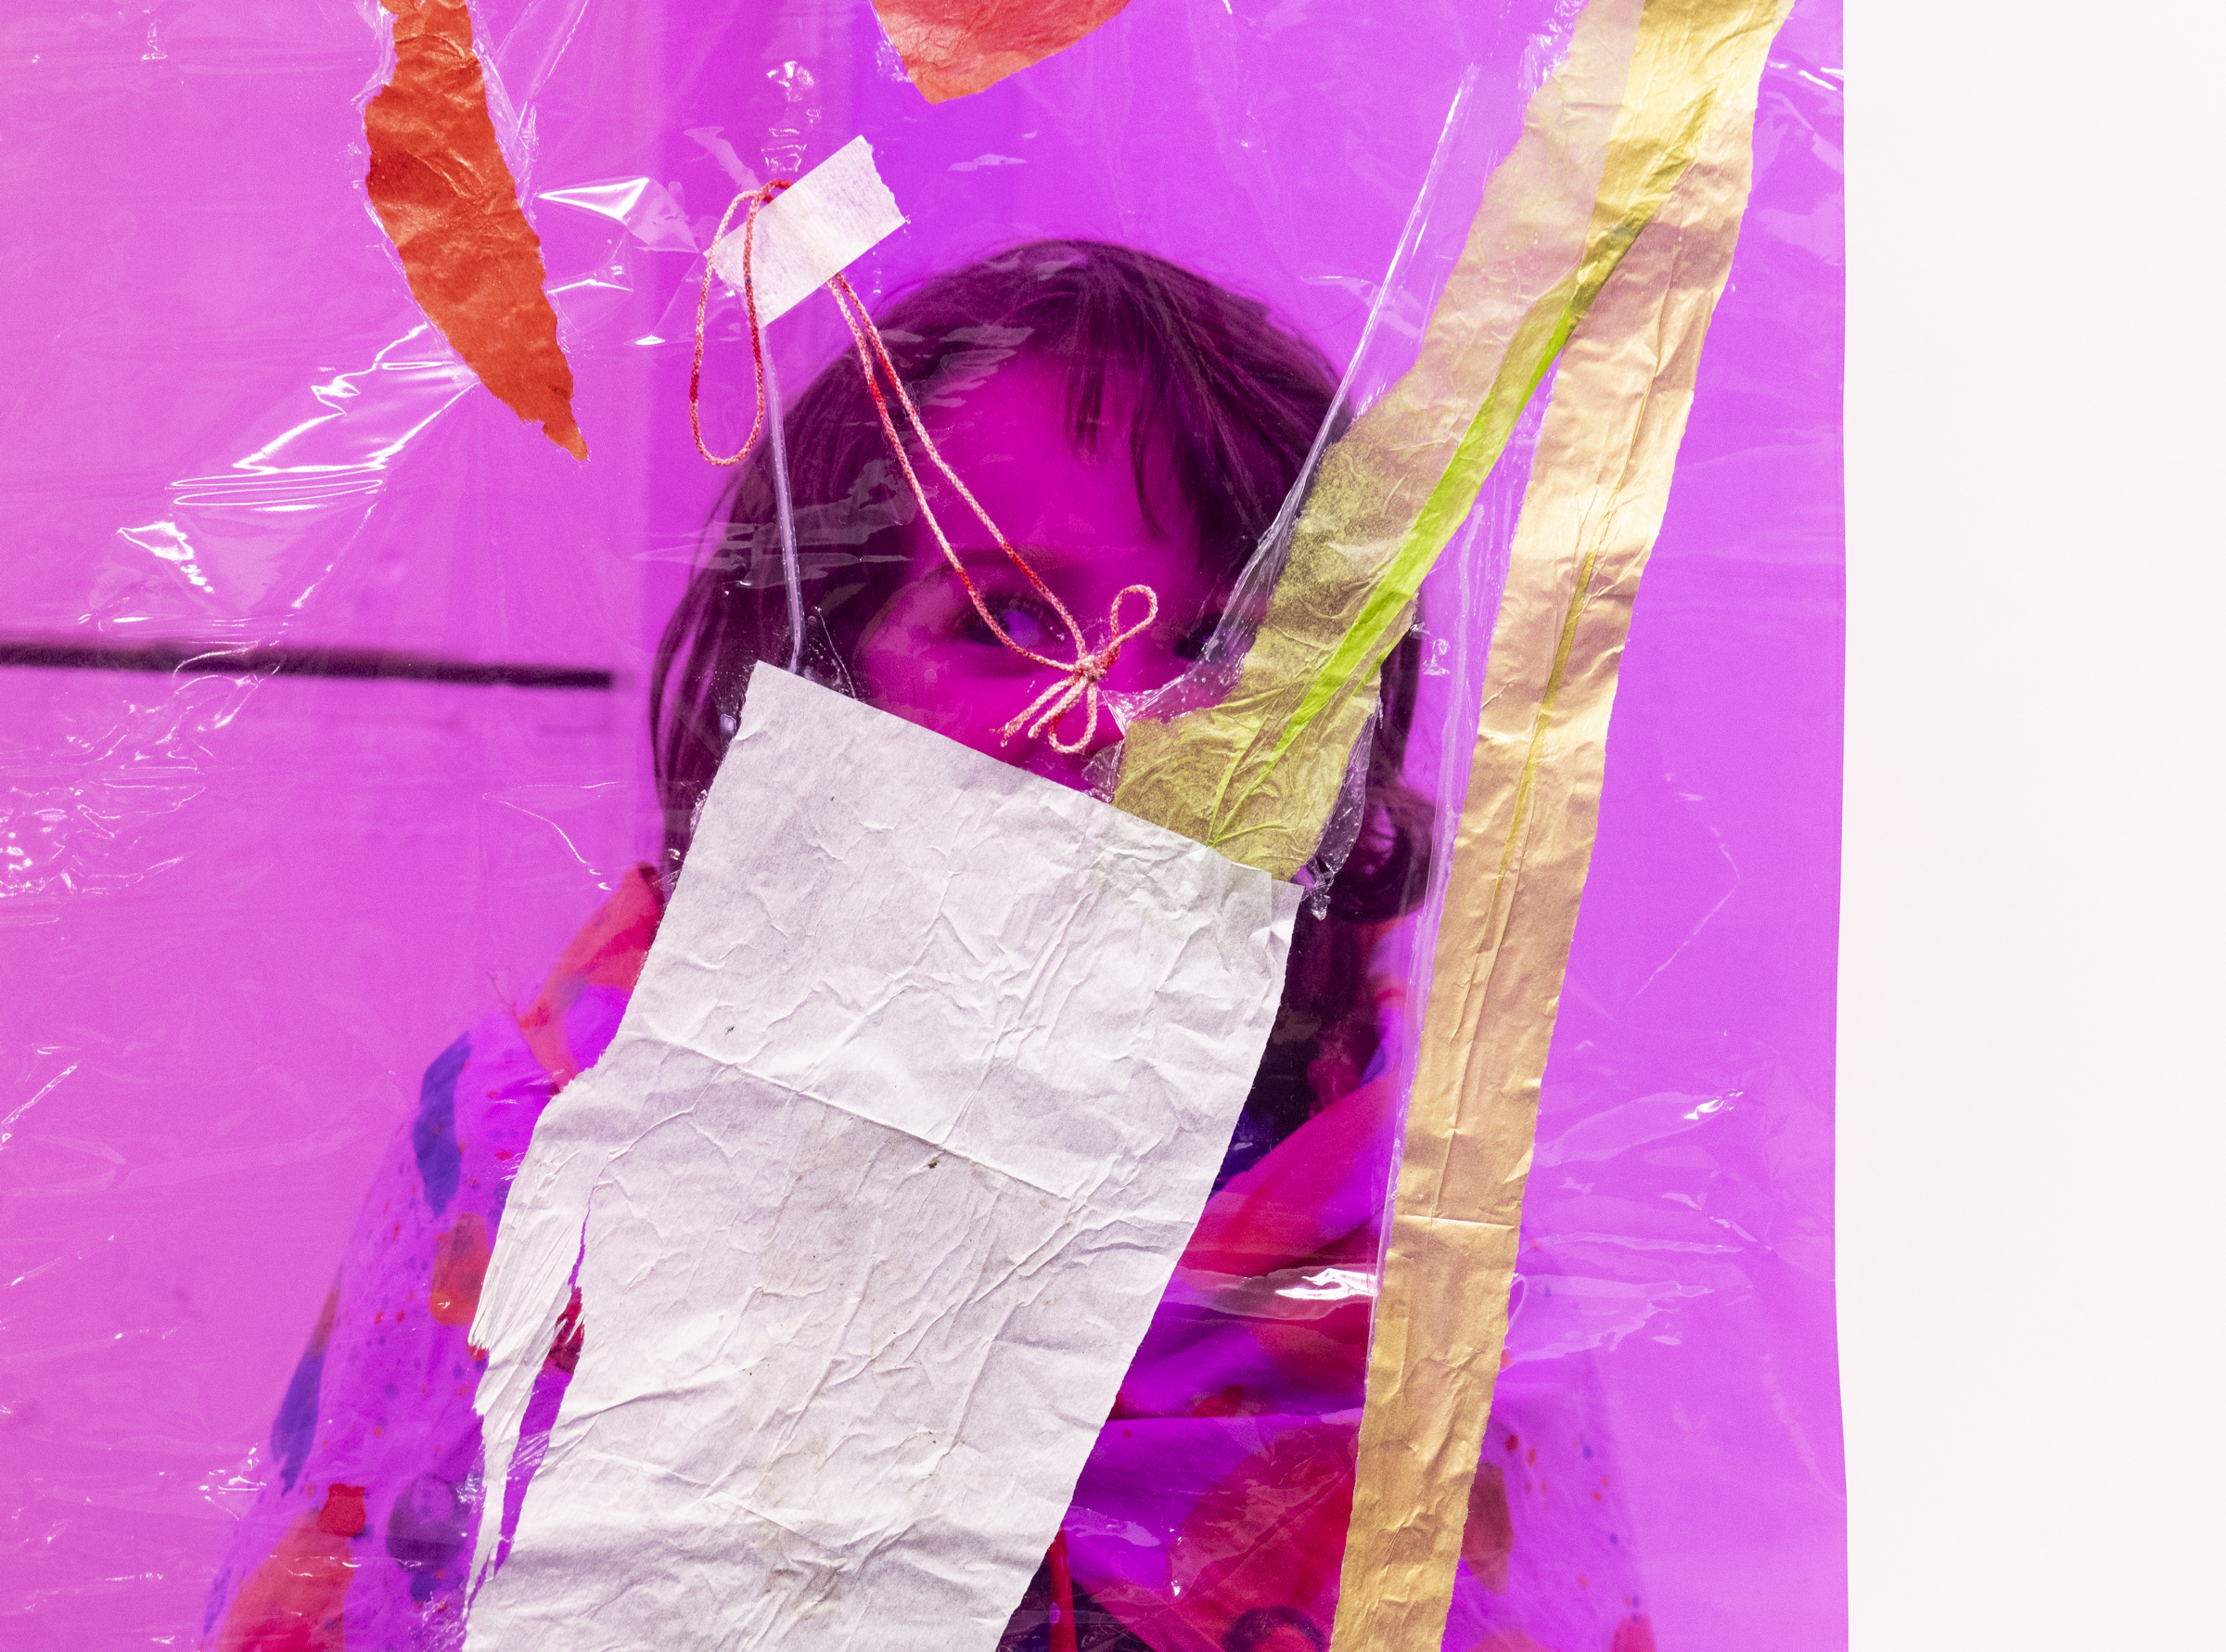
<point x="252" y="895"/>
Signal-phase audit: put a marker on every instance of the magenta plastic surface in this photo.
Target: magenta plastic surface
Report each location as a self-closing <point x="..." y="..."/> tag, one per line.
<point x="242" y="914"/>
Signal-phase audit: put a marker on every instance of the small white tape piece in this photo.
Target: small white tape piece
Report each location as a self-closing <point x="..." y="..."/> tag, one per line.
<point x="831" y="217"/>
<point x="917" y="1101"/>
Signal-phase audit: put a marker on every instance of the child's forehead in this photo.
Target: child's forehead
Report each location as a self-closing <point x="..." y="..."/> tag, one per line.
<point x="1014" y="386"/>
<point x="1012" y="440"/>
<point x="1024" y="421"/>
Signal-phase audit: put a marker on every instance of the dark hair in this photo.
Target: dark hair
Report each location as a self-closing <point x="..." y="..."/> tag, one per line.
<point x="1222" y="407"/>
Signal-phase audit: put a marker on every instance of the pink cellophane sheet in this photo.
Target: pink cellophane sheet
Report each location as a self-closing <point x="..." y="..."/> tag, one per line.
<point x="289" y="963"/>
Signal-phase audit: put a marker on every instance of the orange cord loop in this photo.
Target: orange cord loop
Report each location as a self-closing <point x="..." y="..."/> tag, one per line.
<point x="757" y="199"/>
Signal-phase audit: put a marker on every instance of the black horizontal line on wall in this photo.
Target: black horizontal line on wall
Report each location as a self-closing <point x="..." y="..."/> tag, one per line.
<point x="279" y="659"/>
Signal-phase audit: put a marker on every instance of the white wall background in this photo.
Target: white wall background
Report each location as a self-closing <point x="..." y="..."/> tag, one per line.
<point x="2031" y="1136"/>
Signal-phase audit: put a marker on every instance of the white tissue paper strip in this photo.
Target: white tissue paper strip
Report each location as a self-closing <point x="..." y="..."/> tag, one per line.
<point x="819" y="225"/>
<point x="920" y="1095"/>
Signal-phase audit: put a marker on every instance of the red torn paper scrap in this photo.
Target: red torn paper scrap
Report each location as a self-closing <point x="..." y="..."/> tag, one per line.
<point x="953" y="47"/>
<point x="439" y="184"/>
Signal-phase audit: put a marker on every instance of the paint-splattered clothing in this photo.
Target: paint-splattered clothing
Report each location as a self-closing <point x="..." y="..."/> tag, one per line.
<point x="1210" y="1516"/>
<point x="378" y="1418"/>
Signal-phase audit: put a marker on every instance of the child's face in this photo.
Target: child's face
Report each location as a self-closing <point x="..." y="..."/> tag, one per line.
<point x="928" y="658"/>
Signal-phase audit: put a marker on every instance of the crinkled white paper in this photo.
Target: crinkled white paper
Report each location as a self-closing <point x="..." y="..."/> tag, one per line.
<point x="918" y="1099"/>
<point x="820" y="225"/>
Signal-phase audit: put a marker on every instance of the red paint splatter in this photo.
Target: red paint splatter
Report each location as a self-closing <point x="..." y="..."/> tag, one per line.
<point x="572" y="1335"/>
<point x="1488" y="1539"/>
<point x="1271" y="1529"/>
<point x="459" y="1270"/>
<point x="1062" y="1596"/>
<point x="342" y="1514"/>
<point x="1227" y="1401"/>
<point x="608" y="952"/>
<point x="322" y="1334"/>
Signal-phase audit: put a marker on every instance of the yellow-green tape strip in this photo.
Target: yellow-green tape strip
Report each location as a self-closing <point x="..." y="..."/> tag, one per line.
<point x="1604" y="143"/>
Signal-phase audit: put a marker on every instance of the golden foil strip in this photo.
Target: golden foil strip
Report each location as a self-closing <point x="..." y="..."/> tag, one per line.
<point x="444" y="194"/>
<point x="1598" y="489"/>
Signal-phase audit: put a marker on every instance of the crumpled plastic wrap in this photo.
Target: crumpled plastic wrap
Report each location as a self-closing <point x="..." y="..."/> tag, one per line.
<point x="252" y="899"/>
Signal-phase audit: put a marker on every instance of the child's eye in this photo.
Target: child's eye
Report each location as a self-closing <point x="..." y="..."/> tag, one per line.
<point x="1028" y="621"/>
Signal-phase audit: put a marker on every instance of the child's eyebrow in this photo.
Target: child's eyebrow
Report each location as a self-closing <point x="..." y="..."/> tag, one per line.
<point x="1044" y="559"/>
<point x="987" y="559"/>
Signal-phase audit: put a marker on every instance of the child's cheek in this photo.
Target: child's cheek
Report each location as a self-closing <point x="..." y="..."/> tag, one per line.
<point x="909" y="676"/>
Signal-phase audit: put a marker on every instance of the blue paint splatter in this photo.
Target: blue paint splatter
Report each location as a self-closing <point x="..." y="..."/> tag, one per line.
<point x="439" y="1163"/>
<point x="428" y="1529"/>
<point x="298" y="1414"/>
<point x="216" y="1600"/>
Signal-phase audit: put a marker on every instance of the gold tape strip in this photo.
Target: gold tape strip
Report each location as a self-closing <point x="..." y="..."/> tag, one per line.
<point x="1598" y="489"/>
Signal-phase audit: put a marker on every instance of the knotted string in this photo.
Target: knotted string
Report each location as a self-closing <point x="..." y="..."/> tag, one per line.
<point x="757" y="199"/>
<point x="1079" y="678"/>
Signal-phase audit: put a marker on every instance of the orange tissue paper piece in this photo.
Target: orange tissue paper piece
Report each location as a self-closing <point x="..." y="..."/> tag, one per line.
<point x="442" y="189"/>
<point x="954" y="47"/>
